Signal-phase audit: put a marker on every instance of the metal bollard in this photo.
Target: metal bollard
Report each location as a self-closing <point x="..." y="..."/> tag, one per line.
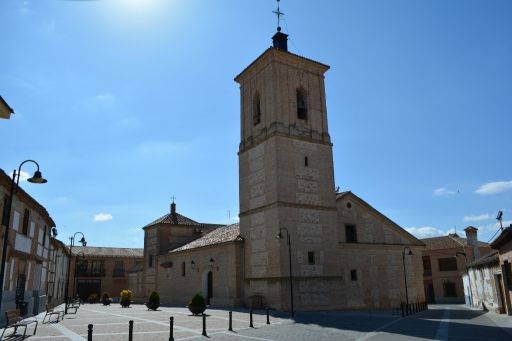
<point x="414" y="308"/>
<point x="171" y="328"/>
<point x="230" y="321"/>
<point x="250" y="319"/>
<point x="402" y="307"/>
<point x="89" y="332"/>
<point x="204" y="325"/>
<point x="268" y="317"/>
<point x="130" y="330"/>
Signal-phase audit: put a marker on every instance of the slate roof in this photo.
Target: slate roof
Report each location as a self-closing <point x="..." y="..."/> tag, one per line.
<point x="450" y="241"/>
<point x="220" y="235"/>
<point x="492" y="258"/>
<point x="118" y="252"/>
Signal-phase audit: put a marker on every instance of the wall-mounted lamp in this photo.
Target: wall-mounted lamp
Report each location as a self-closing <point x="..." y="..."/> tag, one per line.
<point x="212" y="264"/>
<point x="193" y="265"/>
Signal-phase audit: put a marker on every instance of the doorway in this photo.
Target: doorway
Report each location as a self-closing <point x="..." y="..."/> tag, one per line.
<point x="429" y="292"/>
<point x="210" y="287"/>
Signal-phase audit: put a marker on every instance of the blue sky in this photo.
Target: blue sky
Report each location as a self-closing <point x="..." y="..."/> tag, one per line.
<point x="126" y="103"/>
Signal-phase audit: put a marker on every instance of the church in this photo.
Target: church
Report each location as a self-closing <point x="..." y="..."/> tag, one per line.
<point x="300" y="244"/>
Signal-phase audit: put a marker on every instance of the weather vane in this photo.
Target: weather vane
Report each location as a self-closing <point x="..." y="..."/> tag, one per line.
<point x="278" y="13"/>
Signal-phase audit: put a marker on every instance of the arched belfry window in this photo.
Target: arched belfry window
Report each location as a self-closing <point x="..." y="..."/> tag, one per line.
<point x="302" y="109"/>
<point x="256" y="110"/>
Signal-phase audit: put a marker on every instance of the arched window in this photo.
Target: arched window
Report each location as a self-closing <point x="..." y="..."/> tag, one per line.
<point x="302" y="109"/>
<point x="256" y="110"/>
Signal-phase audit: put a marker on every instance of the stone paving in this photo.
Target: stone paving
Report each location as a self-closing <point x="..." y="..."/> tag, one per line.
<point x="111" y="323"/>
<point x="442" y="322"/>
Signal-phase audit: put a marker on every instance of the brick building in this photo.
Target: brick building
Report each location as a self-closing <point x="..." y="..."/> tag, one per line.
<point x="96" y="270"/>
<point x="27" y="259"/>
<point x="443" y="261"/>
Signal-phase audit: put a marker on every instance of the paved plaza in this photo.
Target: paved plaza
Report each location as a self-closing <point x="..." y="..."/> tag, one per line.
<point x="442" y="322"/>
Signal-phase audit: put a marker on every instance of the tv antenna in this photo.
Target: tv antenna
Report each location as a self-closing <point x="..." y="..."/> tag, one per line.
<point x="278" y="13"/>
<point x="499" y="217"/>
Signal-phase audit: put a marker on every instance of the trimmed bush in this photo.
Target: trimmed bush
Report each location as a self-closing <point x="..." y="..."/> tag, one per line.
<point x="153" y="301"/>
<point x="126" y="298"/>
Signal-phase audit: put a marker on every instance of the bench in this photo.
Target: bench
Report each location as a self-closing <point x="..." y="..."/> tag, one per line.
<point x="50" y="310"/>
<point x="73" y="304"/>
<point x="15" y="320"/>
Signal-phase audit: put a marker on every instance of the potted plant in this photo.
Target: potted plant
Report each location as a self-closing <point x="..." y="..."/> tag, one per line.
<point x="93" y="298"/>
<point x="154" y="301"/>
<point x="126" y="298"/>
<point x="106" y="299"/>
<point x="197" y="305"/>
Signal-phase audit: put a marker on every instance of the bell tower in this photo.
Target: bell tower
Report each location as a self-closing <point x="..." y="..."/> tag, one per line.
<point x="286" y="178"/>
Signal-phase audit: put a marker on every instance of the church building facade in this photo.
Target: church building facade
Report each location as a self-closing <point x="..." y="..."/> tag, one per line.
<point x="342" y="252"/>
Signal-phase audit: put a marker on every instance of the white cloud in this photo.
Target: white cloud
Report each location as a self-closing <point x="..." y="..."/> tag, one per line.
<point x="426" y="231"/>
<point x="443" y="192"/>
<point x="477" y="217"/>
<point x="103" y="217"/>
<point x="105" y="98"/>
<point x="494" y="187"/>
<point x="23" y="176"/>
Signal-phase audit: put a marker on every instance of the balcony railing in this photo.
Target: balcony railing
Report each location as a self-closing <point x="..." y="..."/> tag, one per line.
<point x="118" y="273"/>
<point x="90" y="272"/>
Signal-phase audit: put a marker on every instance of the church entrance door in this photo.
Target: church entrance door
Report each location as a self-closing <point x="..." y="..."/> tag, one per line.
<point x="210" y="287"/>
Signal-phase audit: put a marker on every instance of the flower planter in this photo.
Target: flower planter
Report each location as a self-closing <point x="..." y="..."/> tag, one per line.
<point x="125" y="304"/>
<point x="106" y="302"/>
<point x="196" y="310"/>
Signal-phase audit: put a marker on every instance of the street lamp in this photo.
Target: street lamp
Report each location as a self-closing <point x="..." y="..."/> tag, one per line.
<point x="37" y="178"/>
<point x="280" y="236"/>
<point x="84" y="243"/>
<point x="405" y="275"/>
<point x="469" y="276"/>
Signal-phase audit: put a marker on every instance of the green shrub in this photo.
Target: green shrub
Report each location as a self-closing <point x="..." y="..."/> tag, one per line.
<point x="105" y="297"/>
<point x="154" y="298"/>
<point x="197" y="300"/>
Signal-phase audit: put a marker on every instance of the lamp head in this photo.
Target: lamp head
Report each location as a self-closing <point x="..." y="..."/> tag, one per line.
<point x="410" y="252"/>
<point x="37" y="178"/>
<point x="280" y="235"/>
<point x="83" y="241"/>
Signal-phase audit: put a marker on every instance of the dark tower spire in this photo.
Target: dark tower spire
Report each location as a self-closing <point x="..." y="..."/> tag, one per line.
<point x="280" y="39"/>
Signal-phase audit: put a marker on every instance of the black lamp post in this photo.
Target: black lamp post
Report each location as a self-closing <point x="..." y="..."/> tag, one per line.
<point x="405" y="275"/>
<point x="37" y="178"/>
<point x="469" y="276"/>
<point x="84" y="243"/>
<point x="280" y="236"/>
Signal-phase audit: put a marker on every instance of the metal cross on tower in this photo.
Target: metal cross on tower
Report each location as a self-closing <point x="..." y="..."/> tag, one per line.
<point x="278" y="13"/>
<point x="173" y="198"/>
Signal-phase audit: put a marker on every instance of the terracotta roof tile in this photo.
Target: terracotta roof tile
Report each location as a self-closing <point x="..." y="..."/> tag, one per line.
<point x="178" y="219"/>
<point x="492" y="258"/>
<point x="218" y="236"/>
<point x="451" y="241"/>
<point x="95" y="251"/>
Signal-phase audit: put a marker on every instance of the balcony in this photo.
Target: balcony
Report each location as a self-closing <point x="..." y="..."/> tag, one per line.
<point x="89" y="272"/>
<point x="118" y="273"/>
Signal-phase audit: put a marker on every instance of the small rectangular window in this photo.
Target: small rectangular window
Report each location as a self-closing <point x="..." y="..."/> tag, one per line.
<point x="353" y="275"/>
<point x="26" y="218"/>
<point x="306" y="162"/>
<point x="350" y="234"/>
<point x="183" y="267"/>
<point x="4" y="211"/>
<point x="447" y="264"/>
<point x="44" y="236"/>
<point x="311" y="258"/>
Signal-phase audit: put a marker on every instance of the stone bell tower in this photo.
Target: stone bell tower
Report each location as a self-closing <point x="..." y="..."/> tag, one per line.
<point x="286" y="180"/>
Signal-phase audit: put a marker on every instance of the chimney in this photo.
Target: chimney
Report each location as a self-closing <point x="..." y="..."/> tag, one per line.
<point x="471" y="235"/>
<point x="173" y="208"/>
